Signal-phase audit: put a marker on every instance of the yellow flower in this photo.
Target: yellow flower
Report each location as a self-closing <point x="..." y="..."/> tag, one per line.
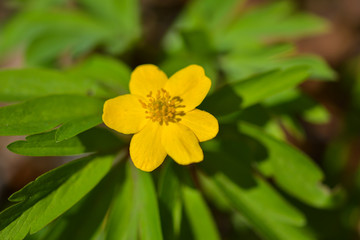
<point x="162" y="115"/>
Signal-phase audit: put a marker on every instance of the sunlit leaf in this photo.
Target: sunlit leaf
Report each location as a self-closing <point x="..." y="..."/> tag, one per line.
<point x="258" y="88"/>
<point x="124" y="213"/>
<point x="42" y="114"/>
<point x="50" y="195"/>
<point x="28" y="26"/>
<point x="262" y="59"/>
<point x="90" y="211"/>
<point x="123" y="218"/>
<point x="254" y="190"/>
<point x="76" y="126"/>
<point x="262" y="206"/>
<point x="111" y="73"/>
<point x="262" y="222"/>
<point x="293" y="171"/>
<point x="272" y="21"/>
<point x="44" y="144"/>
<point x="149" y="219"/>
<point x="318" y="68"/>
<point x="235" y="96"/>
<point x="46" y="48"/>
<point x="203" y="227"/>
<point x="208" y="15"/>
<point x="24" y="84"/>
<point x="121" y="17"/>
<point x="317" y="115"/>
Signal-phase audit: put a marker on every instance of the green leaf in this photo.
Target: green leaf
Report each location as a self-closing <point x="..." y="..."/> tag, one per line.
<point x="170" y="201"/>
<point x="121" y="17"/>
<point x="90" y="211"/>
<point x="233" y="97"/>
<point x="289" y="102"/>
<point x="135" y="210"/>
<point x="197" y="211"/>
<point x="110" y="72"/>
<point x="319" y="69"/>
<point x="76" y="126"/>
<point x="257" y="192"/>
<point x="258" y="88"/>
<point x="50" y="195"/>
<point x="255" y="60"/>
<point x="40" y="4"/>
<point x="44" y="144"/>
<point x="317" y="115"/>
<point x="265" y="58"/>
<point x="213" y="193"/>
<point x="42" y="114"/>
<point x="24" y="84"/>
<point x="273" y="21"/>
<point x="48" y="47"/>
<point x="27" y="26"/>
<point x="246" y="201"/>
<point x="123" y="218"/>
<point x="259" y="203"/>
<point x="149" y="219"/>
<point x="293" y="171"/>
<point x="209" y="15"/>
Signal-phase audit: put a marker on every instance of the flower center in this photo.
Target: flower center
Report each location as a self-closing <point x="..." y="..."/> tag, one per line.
<point x="163" y="108"/>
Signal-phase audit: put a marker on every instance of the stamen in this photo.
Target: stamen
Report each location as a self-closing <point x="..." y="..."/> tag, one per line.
<point x="163" y="108"/>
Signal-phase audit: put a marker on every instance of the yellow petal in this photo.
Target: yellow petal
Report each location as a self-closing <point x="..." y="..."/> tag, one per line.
<point x="181" y="144"/>
<point x="124" y="114"/>
<point x="190" y="84"/>
<point x="146" y="150"/>
<point x="203" y="124"/>
<point x="146" y="78"/>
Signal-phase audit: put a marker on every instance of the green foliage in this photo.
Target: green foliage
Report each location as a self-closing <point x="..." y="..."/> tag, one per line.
<point x="195" y="206"/>
<point x="25" y="84"/>
<point x="234" y="96"/>
<point x="170" y="202"/>
<point x="149" y="219"/>
<point x="252" y="91"/>
<point x="50" y="195"/>
<point x="42" y="114"/>
<point x="111" y="73"/>
<point x="124" y="213"/>
<point x="66" y="227"/>
<point x="263" y="207"/>
<point x="265" y="223"/>
<point x="44" y="144"/>
<point x="46" y="31"/>
<point x="76" y="126"/>
<point x="252" y="183"/>
<point x="301" y="178"/>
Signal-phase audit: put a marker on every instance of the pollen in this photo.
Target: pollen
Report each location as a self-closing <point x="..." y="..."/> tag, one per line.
<point x="163" y="108"/>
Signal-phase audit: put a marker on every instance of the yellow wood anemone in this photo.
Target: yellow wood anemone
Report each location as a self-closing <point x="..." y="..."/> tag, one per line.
<point x="162" y="115"/>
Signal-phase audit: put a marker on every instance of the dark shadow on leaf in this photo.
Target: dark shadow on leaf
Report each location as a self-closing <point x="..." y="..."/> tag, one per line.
<point x="256" y="114"/>
<point x="100" y="140"/>
<point x="235" y="157"/>
<point x="91" y="210"/>
<point x="222" y="102"/>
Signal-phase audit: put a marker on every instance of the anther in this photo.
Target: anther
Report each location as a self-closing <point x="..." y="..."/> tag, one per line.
<point x="163" y="108"/>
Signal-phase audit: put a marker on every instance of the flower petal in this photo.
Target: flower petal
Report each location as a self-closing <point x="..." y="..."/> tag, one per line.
<point x="190" y="84"/>
<point x="124" y="114"/>
<point x="181" y="144"/>
<point x="146" y="78"/>
<point x="146" y="150"/>
<point x="203" y="124"/>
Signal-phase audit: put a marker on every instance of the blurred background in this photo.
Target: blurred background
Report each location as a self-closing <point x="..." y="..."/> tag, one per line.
<point x="334" y="144"/>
